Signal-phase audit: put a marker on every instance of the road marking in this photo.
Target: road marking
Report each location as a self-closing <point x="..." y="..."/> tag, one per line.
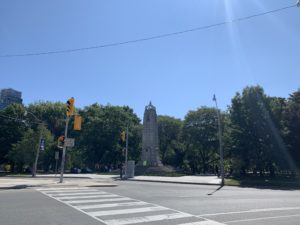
<point x="111" y="205"/>
<point x="253" y="211"/>
<point x="82" y="197"/>
<point x="74" y="197"/>
<point x="97" y="200"/>
<point x="69" y="191"/>
<point x="208" y="222"/>
<point x="146" y="219"/>
<point x="262" y="218"/>
<point x="76" y="194"/>
<point x="127" y="211"/>
<point x="63" y="189"/>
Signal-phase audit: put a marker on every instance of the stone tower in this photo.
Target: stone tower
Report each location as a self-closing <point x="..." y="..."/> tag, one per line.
<point x="150" y="151"/>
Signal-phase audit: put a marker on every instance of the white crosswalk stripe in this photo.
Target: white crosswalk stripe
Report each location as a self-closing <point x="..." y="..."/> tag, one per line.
<point x="87" y="196"/>
<point x="126" y="211"/>
<point x="146" y="219"/>
<point x="114" y="209"/>
<point x="76" y="194"/>
<point x="206" y="222"/>
<point x="116" y="199"/>
<point x="112" y="205"/>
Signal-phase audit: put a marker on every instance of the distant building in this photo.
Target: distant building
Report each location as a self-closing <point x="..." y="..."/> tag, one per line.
<point x="9" y="96"/>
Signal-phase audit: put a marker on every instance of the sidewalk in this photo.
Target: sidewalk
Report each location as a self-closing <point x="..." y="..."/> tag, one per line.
<point x="205" y="180"/>
<point x="95" y="180"/>
<point x="19" y="182"/>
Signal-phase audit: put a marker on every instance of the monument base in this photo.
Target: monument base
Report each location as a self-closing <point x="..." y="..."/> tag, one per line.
<point x="142" y="170"/>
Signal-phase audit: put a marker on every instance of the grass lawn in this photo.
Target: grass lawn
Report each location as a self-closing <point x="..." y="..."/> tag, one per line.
<point x="275" y="182"/>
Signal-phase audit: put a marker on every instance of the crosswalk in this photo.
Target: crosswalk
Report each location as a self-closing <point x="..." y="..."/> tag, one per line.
<point x="112" y="209"/>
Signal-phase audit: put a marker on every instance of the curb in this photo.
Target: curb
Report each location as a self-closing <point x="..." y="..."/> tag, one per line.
<point x="40" y="177"/>
<point x="21" y="186"/>
<point x="24" y="186"/>
<point x="174" y="182"/>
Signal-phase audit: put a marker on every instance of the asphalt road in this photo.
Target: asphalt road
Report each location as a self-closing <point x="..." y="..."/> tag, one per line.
<point x="150" y="203"/>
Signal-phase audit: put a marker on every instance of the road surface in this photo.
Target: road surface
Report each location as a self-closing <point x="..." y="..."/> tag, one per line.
<point x="150" y="203"/>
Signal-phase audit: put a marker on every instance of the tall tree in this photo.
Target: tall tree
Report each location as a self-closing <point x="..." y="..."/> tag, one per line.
<point x="255" y="131"/>
<point x="200" y="131"/>
<point x="53" y="113"/>
<point x="100" y="136"/>
<point x="24" y="151"/>
<point x="12" y="128"/>
<point x="292" y="122"/>
<point x="169" y="130"/>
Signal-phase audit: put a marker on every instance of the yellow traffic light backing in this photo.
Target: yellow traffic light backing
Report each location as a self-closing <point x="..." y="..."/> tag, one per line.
<point x="123" y="136"/>
<point x="70" y="107"/>
<point x="77" y="122"/>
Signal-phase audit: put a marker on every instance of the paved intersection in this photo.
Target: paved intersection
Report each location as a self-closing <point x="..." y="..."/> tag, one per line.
<point x="113" y="209"/>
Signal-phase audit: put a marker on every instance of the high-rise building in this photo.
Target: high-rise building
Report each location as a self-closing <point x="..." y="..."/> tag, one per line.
<point x="9" y="96"/>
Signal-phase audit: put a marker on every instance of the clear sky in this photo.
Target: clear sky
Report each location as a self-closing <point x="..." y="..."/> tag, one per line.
<point x="177" y="74"/>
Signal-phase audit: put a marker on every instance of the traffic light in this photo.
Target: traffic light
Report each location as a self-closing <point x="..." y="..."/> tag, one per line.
<point x="61" y="141"/>
<point x="42" y="144"/>
<point x="70" y="107"/>
<point x="77" y="122"/>
<point x="123" y="136"/>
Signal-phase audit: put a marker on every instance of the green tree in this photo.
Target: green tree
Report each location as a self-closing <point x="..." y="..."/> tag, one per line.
<point x="24" y="151"/>
<point x="200" y="131"/>
<point x="255" y="131"/>
<point x="100" y="136"/>
<point x="292" y="122"/>
<point x="54" y="114"/>
<point x="12" y="129"/>
<point x="169" y="131"/>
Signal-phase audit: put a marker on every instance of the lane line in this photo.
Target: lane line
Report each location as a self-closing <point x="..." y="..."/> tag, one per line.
<point x="98" y="200"/>
<point x="262" y="218"/>
<point x="112" y="205"/>
<point x="87" y="197"/>
<point x="253" y="211"/>
<point x="127" y="211"/>
<point x="146" y="219"/>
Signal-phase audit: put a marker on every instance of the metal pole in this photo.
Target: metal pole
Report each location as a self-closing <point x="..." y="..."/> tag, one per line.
<point x="37" y="151"/>
<point x="64" y="153"/>
<point x="56" y="166"/>
<point x="220" y="141"/>
<point x="126" y="153"/>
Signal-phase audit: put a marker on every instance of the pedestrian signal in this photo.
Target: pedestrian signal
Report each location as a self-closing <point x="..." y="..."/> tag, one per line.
<point x="123" y="136"/>
<point x="61" y="141"/>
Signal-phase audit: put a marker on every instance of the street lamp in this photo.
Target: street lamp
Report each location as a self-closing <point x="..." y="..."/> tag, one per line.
<point x="298" y="3"/>
<point x="220" y="141"/>
<point x="41" y="124"/>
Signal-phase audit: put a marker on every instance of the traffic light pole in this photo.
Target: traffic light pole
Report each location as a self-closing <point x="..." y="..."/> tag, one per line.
<point x="220" y="142"/>
<point x="34" y="169"/>
<point x="126" y="153"/>
<point x="64" y="152"/>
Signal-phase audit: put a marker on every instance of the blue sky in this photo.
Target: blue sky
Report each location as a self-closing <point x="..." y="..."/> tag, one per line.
<point x="177" y="74"/>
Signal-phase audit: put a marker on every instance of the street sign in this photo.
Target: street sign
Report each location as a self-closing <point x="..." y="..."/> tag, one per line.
<point x="56" y="156"/>
<point x="69" y="142"/>
<point x="42" y="144"/>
